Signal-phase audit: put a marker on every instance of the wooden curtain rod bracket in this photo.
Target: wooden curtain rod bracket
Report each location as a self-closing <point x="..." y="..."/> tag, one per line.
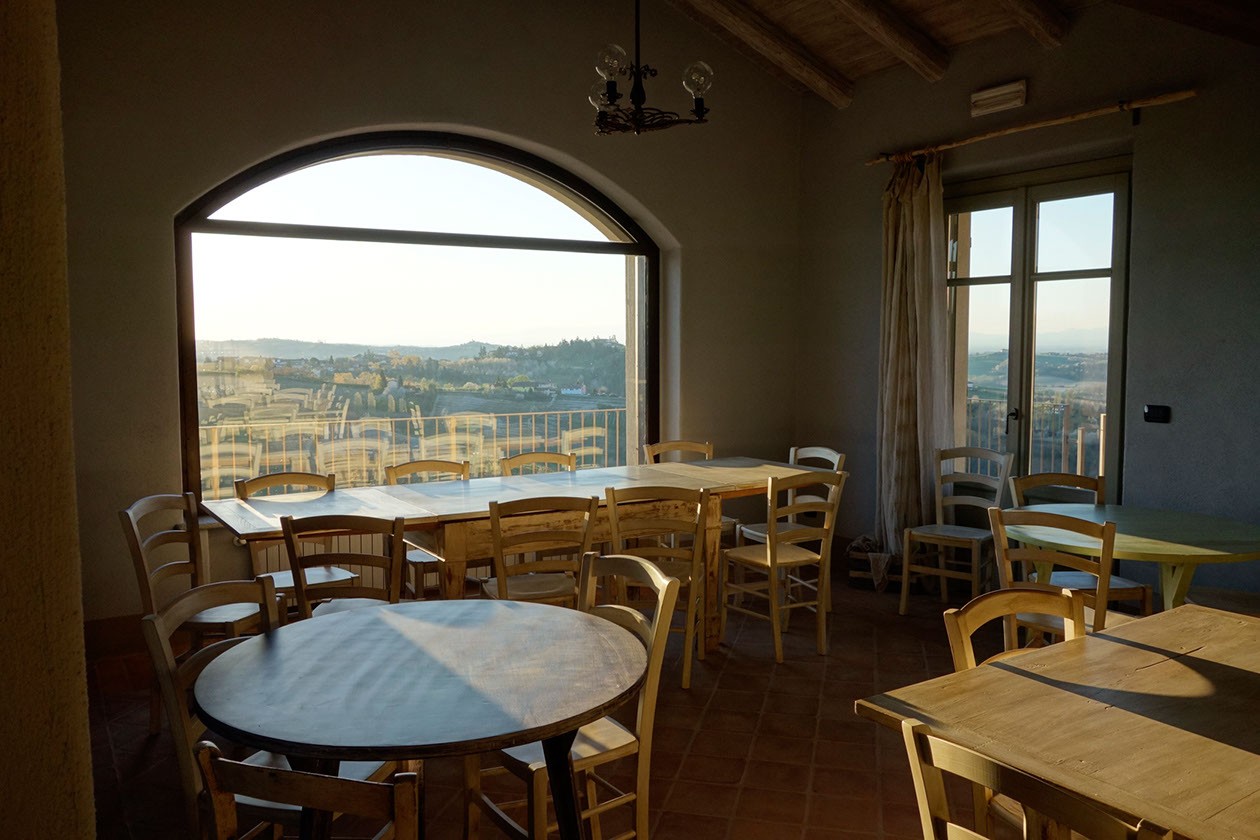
<point x="1121" y="106"/>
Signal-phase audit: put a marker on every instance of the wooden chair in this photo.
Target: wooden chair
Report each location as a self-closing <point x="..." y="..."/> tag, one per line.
<point x="536" y="462"/>
<point x="268" y="557"/>
<point x="598" y="743"/>
<point x="933" y="760"/>
<point x="538" y="545"/>
<point x="776" y="564"/>
<point x="808" y="456"/>
<point x="375" y="546"/>
<point x="176" y="677"/>
<point x="398" y="801"/>
<point x="961" y="625"/>
<point x="958" y="489"/>
<point x="1097" y="571"/>
<point x="653" y="533"/>
<point x="683" y="450"/>
<point x="652" y="452"/>
<point x="164" y="536"/>
<point x="1050" y="488"/>
<point x="422" y="557"/>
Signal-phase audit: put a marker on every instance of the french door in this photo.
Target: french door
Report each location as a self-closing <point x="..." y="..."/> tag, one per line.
<point x="1037" y="298"/>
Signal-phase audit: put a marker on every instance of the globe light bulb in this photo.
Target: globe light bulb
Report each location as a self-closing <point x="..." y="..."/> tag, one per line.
<point x="597" y="96"/>
<point x="697" y="79"/>
<point x="610" y="61"/>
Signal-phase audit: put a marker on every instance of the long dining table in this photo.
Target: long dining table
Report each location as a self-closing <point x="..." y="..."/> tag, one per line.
<point x="1155" y="718"/>
<point x="458" y="512"/>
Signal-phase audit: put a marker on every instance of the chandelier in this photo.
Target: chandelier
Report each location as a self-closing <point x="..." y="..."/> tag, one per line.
<point x="612" y="118"/>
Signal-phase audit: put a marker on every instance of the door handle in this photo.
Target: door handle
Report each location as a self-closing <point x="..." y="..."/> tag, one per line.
<point x="1013" y="414"/>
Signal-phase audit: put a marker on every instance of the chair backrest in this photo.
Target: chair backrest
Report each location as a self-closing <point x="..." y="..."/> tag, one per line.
<point x="176" y="677"/>
<point x="933" y="758"/>
<point x="268" y="555"/>
<point x="1027" y="555"/>
<point x="359" y="461"/>
<point x="814" y="456"/>
<point x="798" y="518"/>
<point x="962" y="623"/>
<point x="537" y="462"/>
<point x="652" y="631"/>
<point x="1057" y="487"/>
<point x="165" y="542"/>
<point x="365" y="543"/>
<point x="652" y="452"/>
<point x="284" y="482"/>
<point x="396" y="801"/>
<point x="970" y="477"/>
<point x="431" y="469"/>
<point x="557" y="530"/>
<point x="652" y="531"/>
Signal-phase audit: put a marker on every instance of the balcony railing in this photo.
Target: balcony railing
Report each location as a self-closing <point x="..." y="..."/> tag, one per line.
<point x="1064" y="437"/>
<point x="359" y="450"/>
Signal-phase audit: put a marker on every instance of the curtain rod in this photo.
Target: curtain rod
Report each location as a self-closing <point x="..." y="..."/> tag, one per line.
<point x="1122" y="105"/>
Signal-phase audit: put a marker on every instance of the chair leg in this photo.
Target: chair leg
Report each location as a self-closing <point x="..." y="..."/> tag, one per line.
<point x="772" y="587"/>
<point x="941" y="562"/>
<point x="592" y="799"/>
<point x="537" y="808"/>
<point x="977" y="564"/>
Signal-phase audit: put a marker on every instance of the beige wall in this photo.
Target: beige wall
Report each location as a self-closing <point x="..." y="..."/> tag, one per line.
<point x="165" y="100"/>
<point x="47" y="772"/>
<point x="1194" y="284"/>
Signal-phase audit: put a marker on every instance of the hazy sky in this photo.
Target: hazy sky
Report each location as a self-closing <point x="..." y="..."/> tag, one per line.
<point x="1072" y="234"/>
<point x="369" y="293"/>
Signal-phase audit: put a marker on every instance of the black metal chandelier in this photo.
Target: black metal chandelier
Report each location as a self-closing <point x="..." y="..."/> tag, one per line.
<point x="612" y="118"/>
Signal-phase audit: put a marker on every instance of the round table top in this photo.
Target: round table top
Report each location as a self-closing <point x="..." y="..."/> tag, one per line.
<point x="420" y="679"/>
<point x="1160" y="536"/>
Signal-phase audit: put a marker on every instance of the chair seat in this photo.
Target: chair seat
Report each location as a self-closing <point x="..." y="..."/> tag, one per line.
<point x="961" y="533"/>
<point x="337" y="605"/>
<point x="600" y="738"/>
<point x="759" y="555"/>
<point x="1054" y="625"/>
<point x="359" y="770"/>
<point x="315" y="576"/>
<point x="759" y="532"/>
<point x="533" y="587"/>
<point x="1086" y="582"/>
<point x="218" y="618"/>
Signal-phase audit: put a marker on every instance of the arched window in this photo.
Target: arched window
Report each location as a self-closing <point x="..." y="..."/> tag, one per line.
<point x="404" y="295"/>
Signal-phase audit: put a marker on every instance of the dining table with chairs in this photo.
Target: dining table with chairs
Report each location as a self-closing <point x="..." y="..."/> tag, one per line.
<point x="456" y="513"/>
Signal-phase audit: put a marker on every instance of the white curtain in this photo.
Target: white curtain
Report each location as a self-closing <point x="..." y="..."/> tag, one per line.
<point x="913" y="388"/>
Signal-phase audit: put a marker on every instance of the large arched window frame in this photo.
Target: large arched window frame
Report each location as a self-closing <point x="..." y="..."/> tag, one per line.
<point x="625" y="237"/>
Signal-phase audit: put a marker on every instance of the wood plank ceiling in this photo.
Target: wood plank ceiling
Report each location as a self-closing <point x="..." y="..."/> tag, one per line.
<point x="826" y="45"/>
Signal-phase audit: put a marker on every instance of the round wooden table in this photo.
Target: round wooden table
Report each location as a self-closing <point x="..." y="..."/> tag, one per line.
<point x="423" y="679"/>
<point x="1179" y="542"/>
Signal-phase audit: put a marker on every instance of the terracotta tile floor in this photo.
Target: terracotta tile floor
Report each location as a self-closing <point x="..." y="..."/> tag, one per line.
<point x="753" y="750"/>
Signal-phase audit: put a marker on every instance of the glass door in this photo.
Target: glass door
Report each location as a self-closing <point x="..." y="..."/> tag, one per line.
<point x="1036" y="279"/>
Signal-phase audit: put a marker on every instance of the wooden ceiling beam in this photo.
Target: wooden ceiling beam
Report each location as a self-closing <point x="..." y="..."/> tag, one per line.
<point x="927" y="57"/>
<point x="1040" y="18"/>
<point x="770" y="42"/>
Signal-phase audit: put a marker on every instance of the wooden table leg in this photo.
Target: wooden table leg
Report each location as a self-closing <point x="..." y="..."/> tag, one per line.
<point x="1174" y="583"/>
<point x="712" y="622"/>
<point x="564" y="785"/>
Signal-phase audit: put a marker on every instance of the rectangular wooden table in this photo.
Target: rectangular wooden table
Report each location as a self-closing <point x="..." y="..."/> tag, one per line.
<point x="458" y="511"/>
<point x="1156" y="718"/>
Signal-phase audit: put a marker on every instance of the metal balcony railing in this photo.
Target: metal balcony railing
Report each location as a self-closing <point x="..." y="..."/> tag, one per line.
<point x="359" y="450"/>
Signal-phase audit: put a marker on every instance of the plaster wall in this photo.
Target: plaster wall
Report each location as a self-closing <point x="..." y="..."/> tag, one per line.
<point x="1194" y="279"/>
<point x="163" y="101"/>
